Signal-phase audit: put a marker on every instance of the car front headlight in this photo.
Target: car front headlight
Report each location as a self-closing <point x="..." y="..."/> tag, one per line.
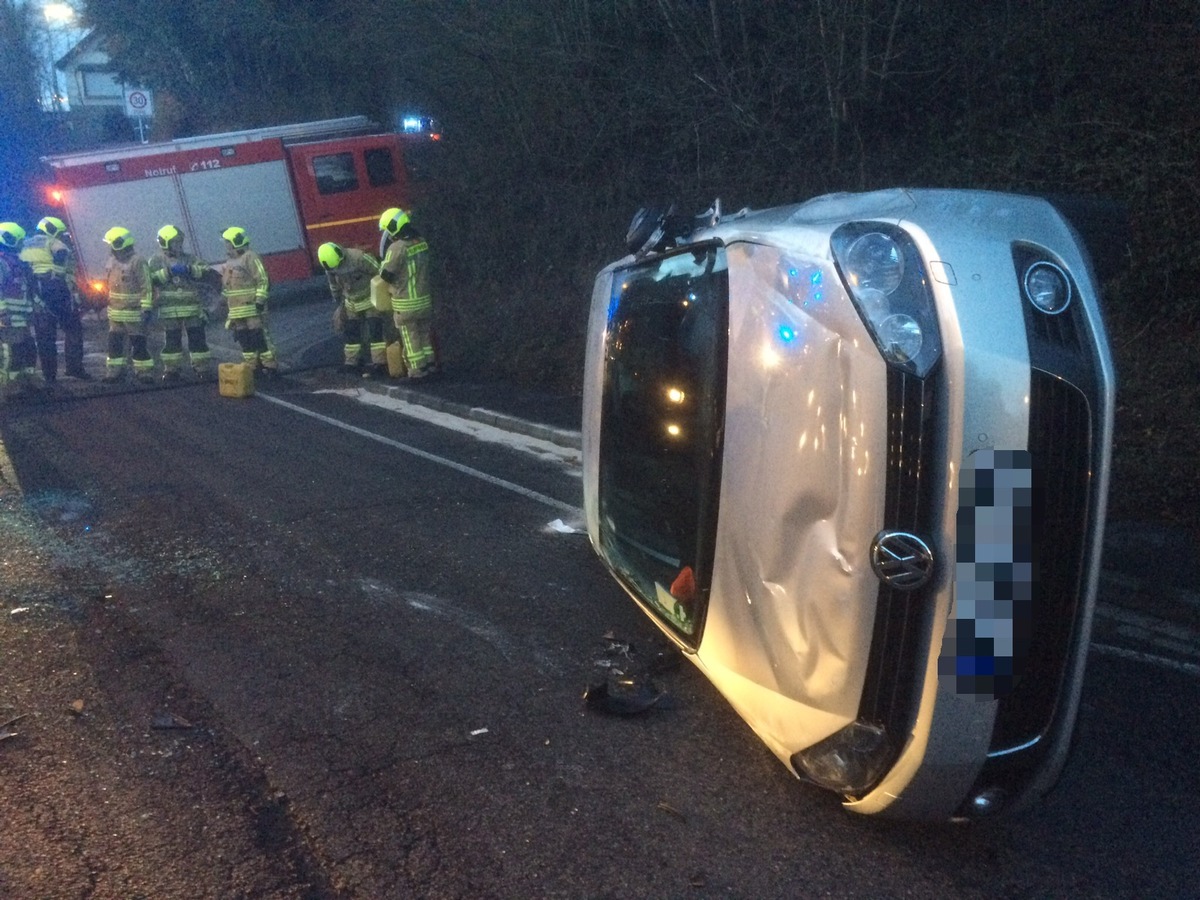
<point x="883" y="275"/>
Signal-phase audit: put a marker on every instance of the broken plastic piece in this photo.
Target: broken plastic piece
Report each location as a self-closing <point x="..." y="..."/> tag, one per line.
<point x="623" y="696"/>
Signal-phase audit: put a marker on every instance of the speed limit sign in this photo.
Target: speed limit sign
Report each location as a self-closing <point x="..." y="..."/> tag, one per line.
<point x="138" y="102"/>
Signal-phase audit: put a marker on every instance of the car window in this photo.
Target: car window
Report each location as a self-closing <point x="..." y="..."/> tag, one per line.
<point x="661" y="428"/>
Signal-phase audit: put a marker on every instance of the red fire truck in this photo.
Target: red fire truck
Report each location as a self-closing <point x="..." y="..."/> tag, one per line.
<point x="292" y="188"/>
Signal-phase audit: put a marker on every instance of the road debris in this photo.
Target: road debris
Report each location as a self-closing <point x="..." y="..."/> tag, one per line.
<point x="6" y="728"/>
<point x="623" y="680"/>
<point x="622" y="695"/>
<point x="164" y="721"/>
<point x="666" y="807"/>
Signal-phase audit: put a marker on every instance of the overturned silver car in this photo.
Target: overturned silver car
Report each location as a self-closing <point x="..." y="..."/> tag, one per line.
<point x="852" y="457"/>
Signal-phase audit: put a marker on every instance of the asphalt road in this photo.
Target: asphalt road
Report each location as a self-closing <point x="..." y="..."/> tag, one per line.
<point x="324" y="649"/>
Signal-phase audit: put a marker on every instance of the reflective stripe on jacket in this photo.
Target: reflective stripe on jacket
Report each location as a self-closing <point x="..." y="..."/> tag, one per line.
<point x="177" y="296"/>
<point x="49" y="256"/>
<point x="129" y="292"/>
<point x="16" y="299"/>
<point x="53" y="266"/>
<point x="243" y="284"/>
<point x="408" y="264"/>
<point x="350" y="283"/>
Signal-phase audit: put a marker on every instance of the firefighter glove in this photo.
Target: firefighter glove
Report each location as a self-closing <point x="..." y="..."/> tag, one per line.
<point x="179" y="268"/>
<point x="147" y="316"/>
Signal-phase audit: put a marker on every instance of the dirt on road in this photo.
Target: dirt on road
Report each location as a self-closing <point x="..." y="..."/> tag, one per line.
<point x="116" y="782"/>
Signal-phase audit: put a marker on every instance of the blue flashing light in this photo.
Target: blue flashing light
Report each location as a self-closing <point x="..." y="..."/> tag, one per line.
<point x="787" y="333"/>
<point x="416" y="124"/>
<point x="815" y="278"/>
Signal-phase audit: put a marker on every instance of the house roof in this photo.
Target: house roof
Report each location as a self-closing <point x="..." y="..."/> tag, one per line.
<point x="92" y="42"/>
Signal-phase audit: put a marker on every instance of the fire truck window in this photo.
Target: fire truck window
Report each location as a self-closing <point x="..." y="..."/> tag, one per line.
<point x="335" y="173"/>
<point x="380" y="170"/>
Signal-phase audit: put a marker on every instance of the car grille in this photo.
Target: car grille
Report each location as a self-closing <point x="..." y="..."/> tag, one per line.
<point x="1064" y="430"/>
<point x="1060" y="444"/>
<point x="899" y="640"/>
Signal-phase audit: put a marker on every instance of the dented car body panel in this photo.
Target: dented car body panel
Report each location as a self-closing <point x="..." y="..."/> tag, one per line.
<point x="852" y="456"/>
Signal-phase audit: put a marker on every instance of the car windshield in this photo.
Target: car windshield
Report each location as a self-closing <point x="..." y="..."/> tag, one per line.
<point x="661" y="430"/>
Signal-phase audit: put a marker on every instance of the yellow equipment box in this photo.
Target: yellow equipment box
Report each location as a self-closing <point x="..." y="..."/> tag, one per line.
<point x="235" y="380"/>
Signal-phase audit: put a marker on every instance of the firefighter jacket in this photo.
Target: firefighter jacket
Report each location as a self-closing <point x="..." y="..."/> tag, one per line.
<point x="350" y="283"/>
<point x="129" y="291"/>
<point x="53" y="265"/>
<point x="406" y="270"/>
<point x="178" y="296"/>
<point x="244" y="285"/>
<point x="16" y="295"/>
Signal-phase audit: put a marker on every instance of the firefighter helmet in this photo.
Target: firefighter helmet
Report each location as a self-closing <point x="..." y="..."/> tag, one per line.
<point x="168" y="234"/>
<point x="12" y="235"/>
<point x="330" y="255"/>
<point x="118" y="238"/>
<point x="393" y="220"/>
<point x="52" y="226"/>
<point x="236" y="237"/>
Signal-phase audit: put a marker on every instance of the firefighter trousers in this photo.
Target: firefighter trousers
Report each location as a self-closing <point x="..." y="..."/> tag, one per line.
<point x="172" y="354"/>
<point x="18" y="357"/>
<point x="47" y="320"/>
<point x="356" y="327"/>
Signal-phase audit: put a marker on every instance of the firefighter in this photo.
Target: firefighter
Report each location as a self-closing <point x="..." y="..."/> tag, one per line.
<point x="405" y="268"/>
<point x="56" y="304"/>
<point x="130" y="307"/>
<point x="178" y="279"/>
<point x="18" y="353"/>
<point x="350" y="272"/>
<point x="244" y="287"/>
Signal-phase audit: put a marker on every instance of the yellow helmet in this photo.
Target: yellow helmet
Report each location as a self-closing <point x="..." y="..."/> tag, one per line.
<point x="52" y="226"/>
<point x="393" y="220"/>
<point x="168" y="233"/>
<point x="12" y="235"/>
<point x="118" y="238"/>
<point x="330" y="255"/>
<point x="236" y="237"/>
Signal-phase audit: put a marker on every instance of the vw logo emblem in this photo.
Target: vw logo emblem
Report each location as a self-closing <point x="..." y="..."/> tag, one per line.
<point x="901" y="560"/>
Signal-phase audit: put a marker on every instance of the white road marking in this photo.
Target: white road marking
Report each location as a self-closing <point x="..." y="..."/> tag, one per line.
<point x="1163" y="662"/>
<point x="482" y="628"/>
<point x="479" y="430"/>
<point x="429" y="457"/>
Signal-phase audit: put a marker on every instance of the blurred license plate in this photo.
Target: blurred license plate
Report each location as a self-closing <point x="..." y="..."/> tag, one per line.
<point x="993" y="574"/>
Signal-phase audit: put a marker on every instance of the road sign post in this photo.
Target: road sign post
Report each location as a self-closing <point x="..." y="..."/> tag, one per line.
<point x="139" y="106"/>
